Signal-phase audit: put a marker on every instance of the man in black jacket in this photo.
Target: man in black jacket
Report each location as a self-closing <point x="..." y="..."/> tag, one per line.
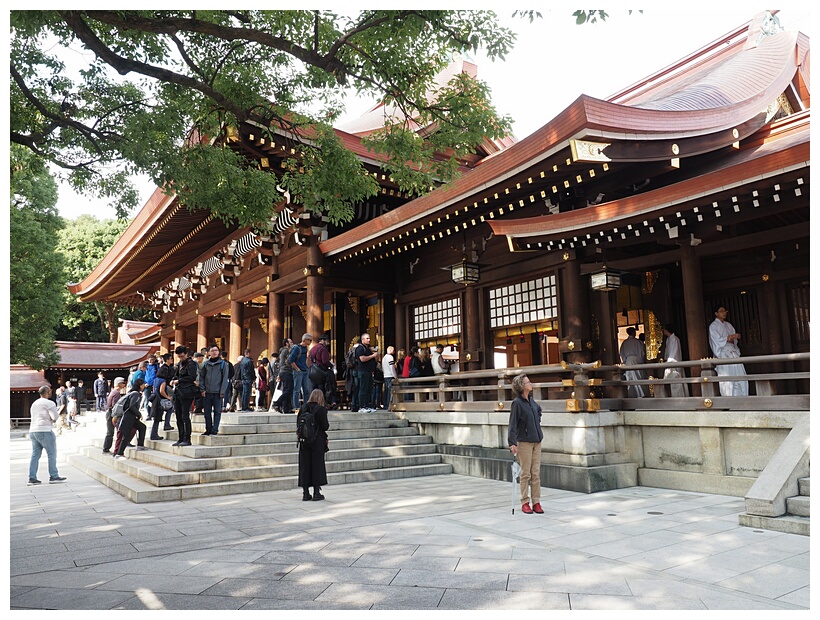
<point x="185" y="389"/>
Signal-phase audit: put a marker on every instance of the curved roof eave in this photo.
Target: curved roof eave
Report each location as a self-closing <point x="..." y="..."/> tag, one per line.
<point x="585" y="116"/>
<point x="768" y="161"/>
<point x="143" y="223"/>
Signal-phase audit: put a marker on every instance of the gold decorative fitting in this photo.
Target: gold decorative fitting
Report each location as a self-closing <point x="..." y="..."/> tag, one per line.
<point x="229" y="297"/>
<point x="320" y="270"/>
<point x="707" y="402"/>
<point x="589" y="344"/>
<point x="735" y="134"/>
<point x="571" y="345"/>
<point x="566" y="255"/>
<point x="675" y="149"/>
<point x="306" y="271"/>
<point x="765" y="277"/>
<point x="499" y="406"/>
<point x="468" y="357"/>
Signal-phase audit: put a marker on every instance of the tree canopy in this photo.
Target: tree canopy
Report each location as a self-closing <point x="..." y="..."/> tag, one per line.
<point x="141" y="89"/>
<point x="82" y="244"/>
<point x="35" y="269"/>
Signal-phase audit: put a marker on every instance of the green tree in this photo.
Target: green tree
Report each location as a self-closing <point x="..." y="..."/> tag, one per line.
<point x="35" y="268"/>
<point x="83" y="243"/>
<point x="158" y="85"/>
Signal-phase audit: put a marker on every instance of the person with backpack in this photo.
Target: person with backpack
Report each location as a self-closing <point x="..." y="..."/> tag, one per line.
<point x="213" y="384"/>
<point x="321" y="370"/>
<point x="247" y="373"/>
<point x="298" y="361"/>
<point x="352" y="375"/>
<point x="162" y="402"/>
<point x="284" y="404"/>
<point x="226" y="402"/>
<point x="110" y="422"/>
<point x="311" y="432"/>
<point x="130" y="422"/>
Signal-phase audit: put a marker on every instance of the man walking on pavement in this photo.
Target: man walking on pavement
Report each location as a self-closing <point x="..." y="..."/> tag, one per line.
<point x="43" y="415"/>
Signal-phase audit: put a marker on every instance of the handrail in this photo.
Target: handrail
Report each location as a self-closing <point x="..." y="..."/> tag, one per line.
<point x="494" y="384"/>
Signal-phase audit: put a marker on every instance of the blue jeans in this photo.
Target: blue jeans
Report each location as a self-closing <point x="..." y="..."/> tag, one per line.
<point x="301" y="383"/>
<point x="212" y="401"/>
<point x="146" y="394"/>
<point x="246" y="393"/>
<point x="40" y="440"/>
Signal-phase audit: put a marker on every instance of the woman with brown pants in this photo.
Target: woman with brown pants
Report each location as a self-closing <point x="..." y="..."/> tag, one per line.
<point x="524" y="438"/>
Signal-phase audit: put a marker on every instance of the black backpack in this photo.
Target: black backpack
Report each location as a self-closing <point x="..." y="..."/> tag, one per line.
<point x="351" y="361"/>
<point x="306" y="427"/>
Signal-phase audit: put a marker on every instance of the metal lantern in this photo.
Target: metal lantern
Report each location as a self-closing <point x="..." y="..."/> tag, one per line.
<point x="465" y="272"/>
<point x="605" y="280"/>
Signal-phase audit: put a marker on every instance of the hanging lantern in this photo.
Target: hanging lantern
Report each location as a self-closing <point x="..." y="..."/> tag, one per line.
<point x="605" y="279"/>
<point x="465" y="272"/>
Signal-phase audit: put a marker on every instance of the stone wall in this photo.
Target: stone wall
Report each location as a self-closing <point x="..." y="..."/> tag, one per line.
<point x="707" y="451"/>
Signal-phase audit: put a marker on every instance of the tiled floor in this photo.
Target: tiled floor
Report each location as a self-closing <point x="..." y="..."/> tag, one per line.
<point x="444" y="542"/>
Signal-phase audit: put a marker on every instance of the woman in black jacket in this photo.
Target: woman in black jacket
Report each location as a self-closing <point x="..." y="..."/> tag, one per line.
<point x="524" y="438"/>
<point x="185" y="389"/>
<point x="312" y="471"/>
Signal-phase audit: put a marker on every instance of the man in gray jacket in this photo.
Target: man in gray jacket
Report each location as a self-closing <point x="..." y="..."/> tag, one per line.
<point x="213" y="383"/>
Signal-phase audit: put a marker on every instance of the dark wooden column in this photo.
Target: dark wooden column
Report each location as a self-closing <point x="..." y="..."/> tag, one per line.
<point x="276" y="321"/>
<point x="201" y="330"/>
<point x="402" y="339"/>
<point x="697" y="335"/>
<point x="235" y="344"/>
<point x="574" y="292"/>
<point x="315" y="296"/>
<point x="179" y="336"/>
<point x="471" y="331"/>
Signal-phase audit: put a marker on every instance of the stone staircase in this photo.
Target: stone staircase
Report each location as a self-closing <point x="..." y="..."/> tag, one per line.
<point x="797" y="517"/>
<point x="256" y="452"/>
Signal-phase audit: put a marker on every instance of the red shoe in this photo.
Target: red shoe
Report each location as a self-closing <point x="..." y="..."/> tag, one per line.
<point x="525" y="508"/>
<point x="536" y="508"/>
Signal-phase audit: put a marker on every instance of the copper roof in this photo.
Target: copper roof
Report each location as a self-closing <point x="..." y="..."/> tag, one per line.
<point x="25" y="379"/>
<point x="102" y="355"/>
<point x="702" y="107"/>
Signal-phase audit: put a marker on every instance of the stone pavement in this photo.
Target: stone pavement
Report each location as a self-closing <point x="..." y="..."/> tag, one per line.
<point x="441" y="542"/>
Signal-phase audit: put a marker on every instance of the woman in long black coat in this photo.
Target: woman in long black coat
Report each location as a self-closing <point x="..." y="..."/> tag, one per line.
<point x="312" y="472"/>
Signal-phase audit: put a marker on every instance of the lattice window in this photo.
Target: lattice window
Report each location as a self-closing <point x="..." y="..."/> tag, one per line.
<point x="525" y="302"/>
<point x="442" y="318"/>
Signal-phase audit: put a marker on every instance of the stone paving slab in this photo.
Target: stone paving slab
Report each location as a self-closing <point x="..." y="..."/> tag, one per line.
<point x="444" y="542"/>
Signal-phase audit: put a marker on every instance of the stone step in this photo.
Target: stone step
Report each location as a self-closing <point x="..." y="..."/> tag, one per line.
<point x="180" y="459"/>
<point x="145" y="466"/>
<point x="288" y="425"/>
<point x="788" y="523"/>
<point x="798" y="506"/>
<point x="139" y="491"/>
<point x="804" y="486"/>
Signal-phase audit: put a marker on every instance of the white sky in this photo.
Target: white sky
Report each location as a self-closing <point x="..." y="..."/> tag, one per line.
<point x="555" y="61"/>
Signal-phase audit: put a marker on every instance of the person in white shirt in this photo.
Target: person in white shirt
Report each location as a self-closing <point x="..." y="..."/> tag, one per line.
<point x="673" y="354"/>
<point x="43" y="415"/>
<point x="389" y="370"/>
<point x="440" y="365"/>
<point x="723" y="340"/>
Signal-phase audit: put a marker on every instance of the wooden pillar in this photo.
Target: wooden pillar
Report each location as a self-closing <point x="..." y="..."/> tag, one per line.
<point x="179" y="337"/>
<point x="235" y="344"/>
<point x="164" y="345"/>
<point x="471" y="332"/>
<point x="276" y="321"/>
<point x="315" y="296"/>
<point x="607" y="342"/>
<point x="201" y="331"/>
<point x="574" y="291"/>
<point x="402" y="339"/>
<point x="696" y="330"/>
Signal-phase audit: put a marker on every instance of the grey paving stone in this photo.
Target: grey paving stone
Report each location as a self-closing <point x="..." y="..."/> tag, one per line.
<point x="381" y="597"/>
<point x="464" y="551"/>
<point x="502" y="600"/>
<point x="588" y="582"/>
<point x="376" y="560"/>
<point x="137" y="566"/>
<point x="163" y="600"/>
<point x="336" y="574"/>
<point x="172" y="584"/>
<point x="267" y="588"/>
<point x="299" y="605"/>
<point x="799" y="597"/>
<point x="218" y="554"/>
<point x="304" y="557"/>
<point x="239" y="569"/>
<point x="611" y="603"/>
<point x="772" y="581"/>
<point x="451" y="579"/>
<point x="68" y="598"/>
<point x="543" y="566"/>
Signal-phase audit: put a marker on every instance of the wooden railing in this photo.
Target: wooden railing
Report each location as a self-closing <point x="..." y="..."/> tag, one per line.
<point x="491" y="390"/>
